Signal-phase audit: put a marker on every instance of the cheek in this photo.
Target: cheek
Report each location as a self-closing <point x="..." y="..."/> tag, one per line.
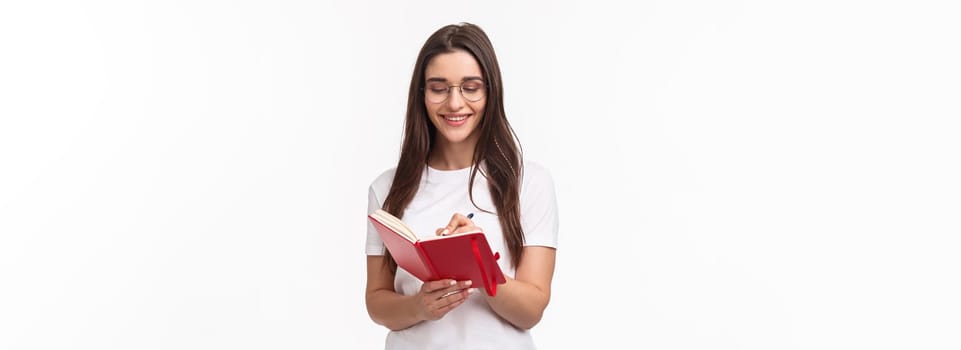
<point x="479" y="110"/>
<point x="431" y="109"/>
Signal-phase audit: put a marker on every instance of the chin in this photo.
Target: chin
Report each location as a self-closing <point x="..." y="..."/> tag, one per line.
<point x="455" y="138"/>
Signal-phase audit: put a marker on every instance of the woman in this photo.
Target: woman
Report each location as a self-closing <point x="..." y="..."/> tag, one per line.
<point x="459" y="156"/>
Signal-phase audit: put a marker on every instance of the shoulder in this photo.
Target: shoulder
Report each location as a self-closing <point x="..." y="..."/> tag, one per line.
<point x="536" y="179"/>
<point x="381" y="184"/>
<point x="535" y="172"/>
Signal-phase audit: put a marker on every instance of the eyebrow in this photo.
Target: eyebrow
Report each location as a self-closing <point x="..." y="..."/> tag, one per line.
<point x="462" y="80"/>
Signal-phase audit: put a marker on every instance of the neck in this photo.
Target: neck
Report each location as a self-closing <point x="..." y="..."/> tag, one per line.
<point x="452" y="156"/>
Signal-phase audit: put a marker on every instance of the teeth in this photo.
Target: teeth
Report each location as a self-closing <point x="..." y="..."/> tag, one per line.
<point x="456" y="119"/>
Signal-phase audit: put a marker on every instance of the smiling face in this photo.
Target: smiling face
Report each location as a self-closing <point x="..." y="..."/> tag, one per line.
<point x="456" y="117"/>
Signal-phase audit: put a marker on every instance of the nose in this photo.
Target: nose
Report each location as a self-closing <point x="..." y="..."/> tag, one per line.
<point x="455" y="99"/>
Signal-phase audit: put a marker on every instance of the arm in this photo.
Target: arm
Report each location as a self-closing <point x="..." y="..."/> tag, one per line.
<point x="395" y="311"/>
<point x="522" y="300"/>
<point x="384" y="305"/>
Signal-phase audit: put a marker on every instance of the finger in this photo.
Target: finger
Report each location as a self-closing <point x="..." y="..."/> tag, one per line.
<point x="458" y="224"/>
<point x="452" y="289"/>
<point x="438" y="285"/>
<point x="465" y="229"/>
<point x="462" y="292"/>
<point x="448" y="298"/>
<point x="454" y="297"/>
<point x="458" y="220"/>
<point x="443" y="310"/>
<point x="460" y="287"/>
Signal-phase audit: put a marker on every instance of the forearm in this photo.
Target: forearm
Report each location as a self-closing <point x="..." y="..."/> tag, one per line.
<point x="392" y="310"/>
<point x="520" y="303"/>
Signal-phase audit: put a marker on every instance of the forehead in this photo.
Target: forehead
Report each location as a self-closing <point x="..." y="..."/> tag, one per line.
<point x="453" y="66"/>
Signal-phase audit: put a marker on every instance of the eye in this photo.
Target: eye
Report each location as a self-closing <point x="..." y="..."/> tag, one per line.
<point x="437" y="88"/>
<point x="472" y="87"/>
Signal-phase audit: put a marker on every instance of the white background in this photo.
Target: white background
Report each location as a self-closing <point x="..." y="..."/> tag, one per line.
<point x="731" y="175"/>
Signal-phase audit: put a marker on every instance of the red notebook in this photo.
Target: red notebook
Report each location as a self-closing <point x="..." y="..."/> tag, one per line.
<point x="465" y="256"/>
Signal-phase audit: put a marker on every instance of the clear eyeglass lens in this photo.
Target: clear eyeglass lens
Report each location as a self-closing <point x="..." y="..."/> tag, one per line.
<point x="471" y="90"/>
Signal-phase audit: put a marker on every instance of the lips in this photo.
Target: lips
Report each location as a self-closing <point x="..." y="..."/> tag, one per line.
<point x="456" y="119"/>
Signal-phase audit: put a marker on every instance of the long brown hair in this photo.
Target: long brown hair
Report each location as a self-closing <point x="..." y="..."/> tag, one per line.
<point x="498" y="151"/>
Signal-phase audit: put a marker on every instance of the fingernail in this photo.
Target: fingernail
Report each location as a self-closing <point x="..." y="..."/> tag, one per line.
<point x="453" y="282"/>
<point x="471" y="291"/>
<point x="468" y="283"/>
<point x="444" y="232"/>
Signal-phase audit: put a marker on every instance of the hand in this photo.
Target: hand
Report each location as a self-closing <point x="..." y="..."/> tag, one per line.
<point x="458" y="224"/>
<point x="437" y="298"/>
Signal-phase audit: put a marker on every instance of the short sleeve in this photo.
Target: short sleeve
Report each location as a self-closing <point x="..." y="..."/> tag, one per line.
<point x="375" y="246"/>
<point x="539" y="217"/>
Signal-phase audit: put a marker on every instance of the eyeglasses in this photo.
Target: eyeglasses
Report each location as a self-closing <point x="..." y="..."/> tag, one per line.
<point x="471" y="90"/>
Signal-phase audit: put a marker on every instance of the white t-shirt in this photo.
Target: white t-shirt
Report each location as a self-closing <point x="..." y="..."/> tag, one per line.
<point x="472" y="325"/>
